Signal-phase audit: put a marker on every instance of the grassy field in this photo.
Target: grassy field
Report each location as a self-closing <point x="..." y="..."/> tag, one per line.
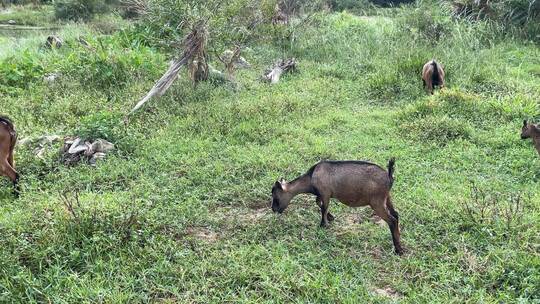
<point x="180" y="211"/>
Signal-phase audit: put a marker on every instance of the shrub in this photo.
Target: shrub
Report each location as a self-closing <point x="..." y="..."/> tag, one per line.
<point x="23" y="2"/>
<point x="432" y="23"/>
<point x="17" y="72"/>
<point x="109" y="65"/>
<point x="78" y="9"/>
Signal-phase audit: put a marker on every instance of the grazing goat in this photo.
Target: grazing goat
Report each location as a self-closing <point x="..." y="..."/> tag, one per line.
<point x="8" y="138"/>
<point x="532" y="131"/>
<point x="354" y="183"/>
<point x="432" y="75"/>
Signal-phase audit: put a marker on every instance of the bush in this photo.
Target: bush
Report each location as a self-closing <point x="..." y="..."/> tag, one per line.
<point x="109" y="65"/>
<point x="523" y="15"/>
<point x="431" y="23"/>
<point x="103" y="125"/>
<point x="78" y="9"/>
<point x="17" y="72"/>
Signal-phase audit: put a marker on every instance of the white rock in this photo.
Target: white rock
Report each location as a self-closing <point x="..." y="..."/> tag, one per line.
<point x="77" y="147"/>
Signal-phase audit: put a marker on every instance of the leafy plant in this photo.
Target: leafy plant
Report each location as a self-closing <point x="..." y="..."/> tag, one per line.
<point x="18" y="72"/>
<point x="103" y="125"/>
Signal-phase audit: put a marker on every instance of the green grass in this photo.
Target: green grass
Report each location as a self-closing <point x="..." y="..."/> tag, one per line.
<point x="31" y="15"/>
<point x="179" y="212"/>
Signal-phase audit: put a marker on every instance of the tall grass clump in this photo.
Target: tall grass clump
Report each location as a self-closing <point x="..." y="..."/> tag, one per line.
<point x="517" y="17"/>
<point x="79" y="9"/>
<point x="454" y="114"/>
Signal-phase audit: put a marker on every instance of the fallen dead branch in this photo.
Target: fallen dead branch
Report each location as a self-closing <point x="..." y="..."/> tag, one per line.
<point x="194" y="54"/>
<point x="232" y="61"/>
<point x="273" y="75"/>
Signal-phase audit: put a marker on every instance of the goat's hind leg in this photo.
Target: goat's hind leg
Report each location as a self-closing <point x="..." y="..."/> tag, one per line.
<point x="386" y="211"/>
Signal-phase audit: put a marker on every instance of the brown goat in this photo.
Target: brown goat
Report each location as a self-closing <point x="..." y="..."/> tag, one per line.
<point x="432" y="75"/>
<point x="354" y="183"/>
<point x="8" y="138"/>
<point x="531" y="131"/>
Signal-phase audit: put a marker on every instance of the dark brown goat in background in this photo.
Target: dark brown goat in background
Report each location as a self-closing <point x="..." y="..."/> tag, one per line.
<point x="432" y="75"/>
<point x="354" y="183"/>
<point x="8" y="138"/>
<point x="531" y="131"/>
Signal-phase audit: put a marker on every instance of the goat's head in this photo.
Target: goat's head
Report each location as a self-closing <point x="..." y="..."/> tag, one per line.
<point x="280" y="196"/>
<point x="528" y="129"/>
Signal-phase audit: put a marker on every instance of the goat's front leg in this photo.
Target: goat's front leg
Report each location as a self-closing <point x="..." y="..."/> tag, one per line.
<point x="7" y="170"/>
<point x="325" y="202"/>
<point x="329" y="215"/>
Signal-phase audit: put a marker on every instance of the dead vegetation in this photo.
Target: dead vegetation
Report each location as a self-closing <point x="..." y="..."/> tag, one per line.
<point x="194" y="56"/>
<point x="388" y="292"/>
<point x="273" y="74"/>
<point x="502" y="212"/>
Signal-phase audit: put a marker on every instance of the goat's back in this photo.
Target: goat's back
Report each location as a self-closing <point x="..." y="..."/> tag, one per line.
<point x="354" y="183"/>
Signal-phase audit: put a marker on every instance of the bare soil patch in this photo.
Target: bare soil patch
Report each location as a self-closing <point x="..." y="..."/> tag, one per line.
<point x="202" y="233"/>
<point x="388" y="292"/>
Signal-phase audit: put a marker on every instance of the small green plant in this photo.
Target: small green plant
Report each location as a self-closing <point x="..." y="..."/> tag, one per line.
<point x="103" y="125"/>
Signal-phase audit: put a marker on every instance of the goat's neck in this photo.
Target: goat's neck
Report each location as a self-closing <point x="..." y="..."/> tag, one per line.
<point x="300" y="185"/>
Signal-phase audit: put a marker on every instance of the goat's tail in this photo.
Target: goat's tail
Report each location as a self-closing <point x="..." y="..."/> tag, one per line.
<point x="435" y="75"/>
<point x="391" y="164"/>
<point x="11" y="129"/>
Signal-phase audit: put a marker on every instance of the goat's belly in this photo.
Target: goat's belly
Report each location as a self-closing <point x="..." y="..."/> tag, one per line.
<point x="353" y="202"/>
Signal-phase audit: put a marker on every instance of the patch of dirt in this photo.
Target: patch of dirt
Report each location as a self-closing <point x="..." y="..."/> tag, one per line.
<point x="376" y="252"/>
<point x="351" y="221"/>
<point x="245" y="216"/>
<point x="255" y="215"/>
<point x="375" y="219"/>
<point x="388" y="292"/>
<point x="202" y="233"/>
<point x="345" y="223"/>
<point x="259" y="205"/>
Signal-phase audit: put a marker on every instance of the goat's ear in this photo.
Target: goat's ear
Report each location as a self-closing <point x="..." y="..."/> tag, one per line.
<point x="525" y="123"/>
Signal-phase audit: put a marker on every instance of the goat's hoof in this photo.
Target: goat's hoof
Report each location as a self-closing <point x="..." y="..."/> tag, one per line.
<point x="330" y="217"/>
<point x="399" y="251"/>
